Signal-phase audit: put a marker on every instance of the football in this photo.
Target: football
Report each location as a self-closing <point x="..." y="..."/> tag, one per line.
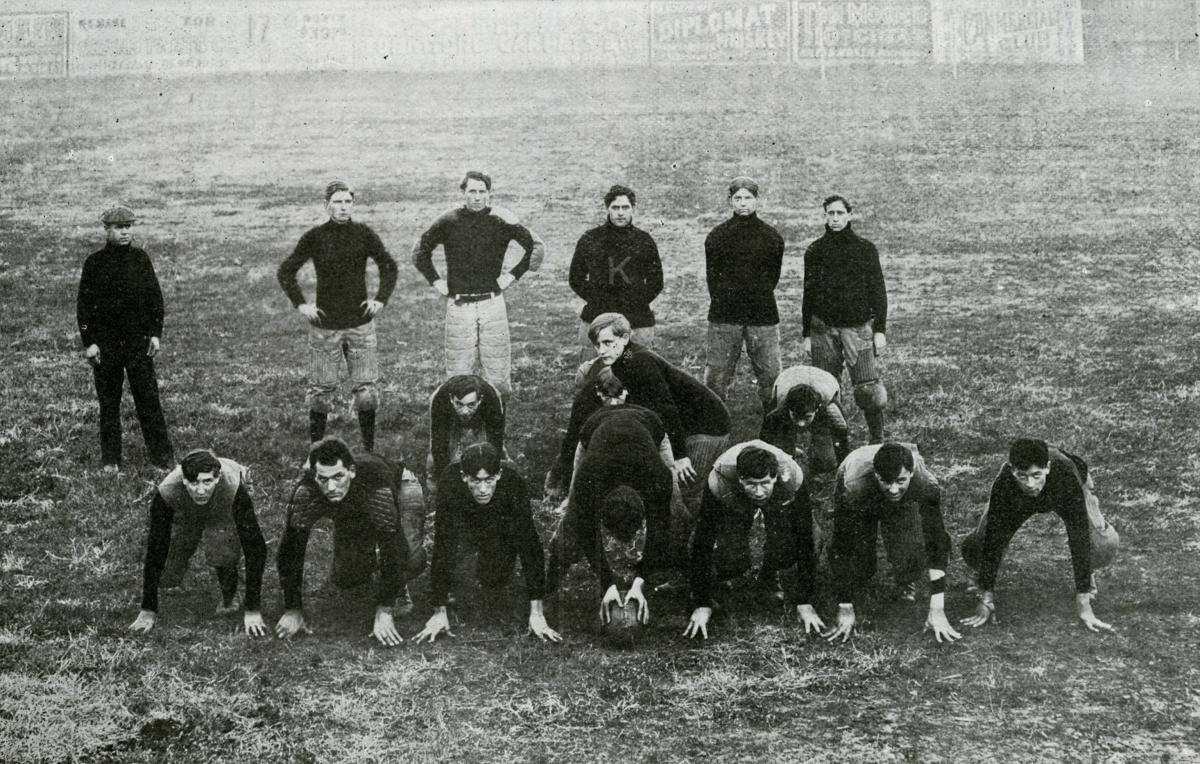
<point x="623" y="628"/>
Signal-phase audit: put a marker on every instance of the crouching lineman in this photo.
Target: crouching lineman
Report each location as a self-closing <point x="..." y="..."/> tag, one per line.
<point x="485" y="504"/>
<point x="204" y="502"/>
<point x="806" y="399"/>
<point x="464" y="410"/>
<point x="622" y="477"/>
<point x="378" y="515"/>
<point x="747" y="478"/>
<point x="887" y="489"/>
<point x="1040" y="478"/>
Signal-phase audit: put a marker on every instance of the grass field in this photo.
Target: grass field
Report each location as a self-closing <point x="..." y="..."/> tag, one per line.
<point x="1040" y="230"/>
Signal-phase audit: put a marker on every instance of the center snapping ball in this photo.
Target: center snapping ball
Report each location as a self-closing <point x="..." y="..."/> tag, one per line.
<point x="623" y="627"/>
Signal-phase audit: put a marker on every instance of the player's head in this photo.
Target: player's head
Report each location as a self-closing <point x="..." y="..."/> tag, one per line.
<point x="893" y="465"/>
<point x="758" y="472"/>
<point x="620" y="202"/>
<point x="339" y="201"/>
<point x="118" y="225"/>
<point x="743" y="196"/>
<point x="1029" y="460"/>
<point x="621" y="512"/>
<point x="610" y="390"/>
<point x="609" y="333"/>
<point x="476" y="187"/>
<point x="481" y="471"/>
<point x="331" y="467"/>
<point x="837" y="212"/>
<point x="466" y="394"/>
<point x="201" y="472"/>
<point x="802" y="404"/>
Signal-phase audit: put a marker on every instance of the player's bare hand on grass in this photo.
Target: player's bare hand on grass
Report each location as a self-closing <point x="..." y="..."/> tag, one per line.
<point x="311" y="312"/>
<point x="371" y="308"/>
<point x="540" y="629"/>
<point x="698" y="623"/>
<point x="1083" y="605"/>
<point x="684" y="471"/>
<point x="438" y="623"/>
<point x="612" y="596"/>
<point x="252" y="622"/>
<point x="144" y="622"/>
<point x="290" y="624"/>
<point x="808" y="616"/>
<point x="635" y="595"/>
<point x="845" y="624"/>
<point x="985" y="612"/>
<point x="384" y="629"/>
<point x="942" y="630"/>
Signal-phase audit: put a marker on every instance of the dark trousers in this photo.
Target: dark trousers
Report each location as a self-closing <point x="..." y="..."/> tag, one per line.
<point x="117" y="362"/>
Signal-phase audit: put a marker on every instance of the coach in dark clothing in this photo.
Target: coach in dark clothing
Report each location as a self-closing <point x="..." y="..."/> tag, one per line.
<point x="742" y="260"/>
<point x="844" y="310"/>
<point x="120" y="315"/>
<point x="616" y="268"/>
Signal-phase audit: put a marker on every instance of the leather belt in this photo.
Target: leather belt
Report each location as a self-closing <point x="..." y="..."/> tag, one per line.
<point x="462" y="299"/>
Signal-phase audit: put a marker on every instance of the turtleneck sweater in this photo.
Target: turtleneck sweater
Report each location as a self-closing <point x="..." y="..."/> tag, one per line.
<point x="743" y="257"/>
<point x="475" y="243"/>
<point x="843" y="282"/>
<point x="617" y="270"/>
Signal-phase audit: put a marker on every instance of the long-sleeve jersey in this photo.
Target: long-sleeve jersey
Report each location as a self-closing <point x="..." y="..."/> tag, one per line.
<point x="119" y="299"/>
<point x="743" y="258"/>
<point x="616" y="269"/>
<point x="475" y="243"/>
<point x="158" y="543"/>
<point x="843" y="282"/>
<point x="777" y="427"/>
<point x="443" y="422"/>
<point x="504" y="523"/>
<point x="339" y="254"/>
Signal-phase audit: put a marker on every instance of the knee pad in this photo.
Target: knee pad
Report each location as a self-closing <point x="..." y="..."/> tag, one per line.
<point x="871" y="396"/>
<point x="366" y="398"/>
<point x="320" y="399"/>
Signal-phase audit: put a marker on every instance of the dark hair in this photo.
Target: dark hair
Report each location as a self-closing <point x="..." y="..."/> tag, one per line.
<point x="621" y="512"/>
<point x="329" y="451"/>
<point x="740" y="182"/>
<point x="1024" y="453"/>
<point x="608" y="385"/>
<point x="475" y="175"/>
<point x="755" y="463"/>
<point x="619" y="190"/>
<point x="618" y="323"/>
<point x="197" y="461"/>
<point x="335" y="186"/>
<point x="479" y="456"/>
<point x="802" y="400"/>
<point x="836" y="198"/>
<point x="462" y="385"/>
<point x="890" y="459"/>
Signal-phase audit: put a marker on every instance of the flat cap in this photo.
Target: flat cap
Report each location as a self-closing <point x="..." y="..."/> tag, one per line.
<point x="740" y="182"/>
<point x="118" y="215"/>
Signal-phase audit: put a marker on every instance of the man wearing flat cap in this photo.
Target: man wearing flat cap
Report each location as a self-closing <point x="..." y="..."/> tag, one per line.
<point x="742" y="260"/>
<point x="120" y="316"/>
<point x="342" y="319"/>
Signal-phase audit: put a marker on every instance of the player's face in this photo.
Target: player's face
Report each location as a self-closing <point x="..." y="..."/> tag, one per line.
<point x="609" y="346"/>
<point x="894" y="490"/>
<point x="476" y="196"/>
<point x="334" y="480"/>
<point x="803" y="422"/>
<point x="119" y="234"/>
<point x="482" y="485"/>
<point x="466" y="406"/>
<point x="837" y="216"/>
<point x="203" y="488"/>
<point x="339" y="206"/>
<point x="758" y="490"/>
<point x="1031" y="480"/>
<point x="620" y="212"/>
<point x="743" y="202"/>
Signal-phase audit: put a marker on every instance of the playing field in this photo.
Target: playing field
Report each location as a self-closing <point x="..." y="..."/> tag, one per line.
<point x="1040" y="232"/>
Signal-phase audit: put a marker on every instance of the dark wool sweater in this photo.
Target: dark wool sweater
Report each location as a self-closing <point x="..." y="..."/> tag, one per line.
<point x="475" y="243"/>
<point x="339" y="254"/>
<point x="119" y="299"/>
<point x="443" y="421"/>
<point x="742" y="260"/>
<point x="843" y="282"/>
<point x="617" y="270"/>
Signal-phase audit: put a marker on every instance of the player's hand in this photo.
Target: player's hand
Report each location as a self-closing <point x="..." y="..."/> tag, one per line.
<point x="385" y="628"/>
<point x="942" y="629"/>
<point x="152" y="348"/>
<point x="505" y="280"/>
<point x="92" y="355"/>
<point x="553" y="487"/>
<point x="442" y="287"/>
<point x="438" y="623"/>
<point x="684" y="471"/>
<point x="311" y="312"/>
<point x="698" y="623"/>
<point x="290" y="624"/>
<point x="610" y="596"/>
<point x="1083" y="605"/>
<point x="371" y="308"/>
<point x="252" y="622"/>
<point x="808" y="616"/>
<point x="845" y="624"/>
<point x="985" y="612"/>
<point x="540" y="629"/>
<point x="635" y="594"/>
<point x="144" y="622"/>
<point x="880" y="340"/>
<point x="806" y="346"/>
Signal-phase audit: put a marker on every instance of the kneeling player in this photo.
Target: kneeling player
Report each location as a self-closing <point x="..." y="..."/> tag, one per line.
<point x="806" y="399"/>
<point x="888" y="489"/>
<point x="485" y="504"/>
<point x="378" y="515"/>
<point x="747" y="478"/>
<point x="1040" y="478"/>
<point x="465" y="409"/>
<point x="204" y="501"/>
